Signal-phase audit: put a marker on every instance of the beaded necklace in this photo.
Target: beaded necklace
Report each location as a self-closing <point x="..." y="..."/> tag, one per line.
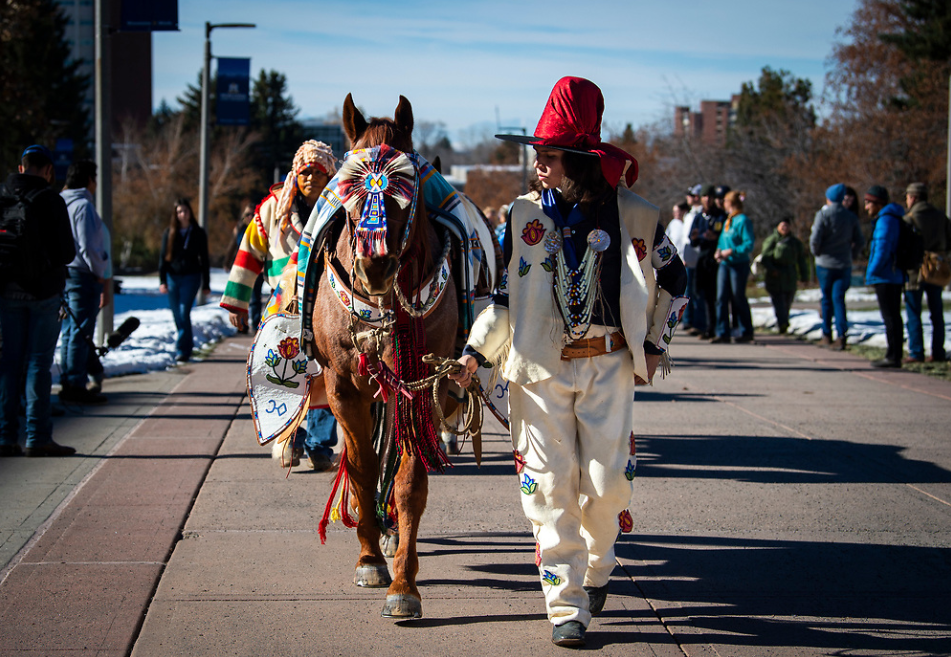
<point x="575" y="288"/>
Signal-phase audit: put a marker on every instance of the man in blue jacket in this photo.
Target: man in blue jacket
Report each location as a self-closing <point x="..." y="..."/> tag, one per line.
<point x="882" y="273"/>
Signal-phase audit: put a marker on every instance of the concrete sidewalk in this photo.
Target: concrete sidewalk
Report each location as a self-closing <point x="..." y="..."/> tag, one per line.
<point x="789" y="501"/>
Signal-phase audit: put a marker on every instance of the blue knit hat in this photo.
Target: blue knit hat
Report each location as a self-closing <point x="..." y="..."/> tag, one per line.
<point x="836" y="193"/>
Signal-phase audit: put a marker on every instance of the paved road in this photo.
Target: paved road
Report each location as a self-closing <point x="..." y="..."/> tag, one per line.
<point x="790" y="501"/>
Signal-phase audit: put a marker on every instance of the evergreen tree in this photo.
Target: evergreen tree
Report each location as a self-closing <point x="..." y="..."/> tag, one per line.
<point x="928" y="31"/>
<point x="42" y="90"/>
<point x="777" y="96"/>
<point x="274" y="117"/>
<point x="191" y="103"/>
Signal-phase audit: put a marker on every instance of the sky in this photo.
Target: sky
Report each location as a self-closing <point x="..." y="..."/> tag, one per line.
<point x="478" y="66"/>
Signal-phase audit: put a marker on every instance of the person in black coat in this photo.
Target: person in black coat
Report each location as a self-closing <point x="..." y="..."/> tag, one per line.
<point x="183" y="269"/>
<point x="32" y="280"/>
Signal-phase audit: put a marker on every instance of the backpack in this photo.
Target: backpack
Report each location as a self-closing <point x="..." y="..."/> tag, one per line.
<point x="911" y="247"/>
<point x="22" y="249"/>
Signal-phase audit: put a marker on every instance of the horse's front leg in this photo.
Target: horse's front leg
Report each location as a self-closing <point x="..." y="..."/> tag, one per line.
<point x="353" y="414"/>
<point x="411" y="487"/>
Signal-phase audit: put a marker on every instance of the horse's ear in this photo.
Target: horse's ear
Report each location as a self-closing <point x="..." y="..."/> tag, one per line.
<point x="404" y="117"/>
<point x="353" y="122"/>
<point x="437" y="164"/>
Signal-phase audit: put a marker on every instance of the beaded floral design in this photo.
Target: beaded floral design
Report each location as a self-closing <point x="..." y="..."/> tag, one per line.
<point x="640" y="248"/>
<point x="529" y="485"/>
<point x="625" y="521"/>
<point x="523" y="267"/>
<point x="551" y="578"/>
<point x="287" y="351"/>
<point x="519" y="462"/>
<point x="533" y="232"/>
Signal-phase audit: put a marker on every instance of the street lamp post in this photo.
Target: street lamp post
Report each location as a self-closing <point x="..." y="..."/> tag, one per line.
<point x="103" y="118"/>
<point x="947" y="194"/>
<point x="204" y="137"/>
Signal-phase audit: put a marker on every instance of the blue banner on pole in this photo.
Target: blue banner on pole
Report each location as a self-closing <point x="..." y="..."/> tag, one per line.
<point x="149" y="15"/>
<point x="234" y="83"/>
<point x="62" y="157"/>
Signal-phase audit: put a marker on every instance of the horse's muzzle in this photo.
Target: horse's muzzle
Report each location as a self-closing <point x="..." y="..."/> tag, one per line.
<point x="376" y="274"/>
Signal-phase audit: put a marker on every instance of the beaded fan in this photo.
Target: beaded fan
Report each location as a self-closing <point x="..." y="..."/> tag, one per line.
<point x="367" y="176"/>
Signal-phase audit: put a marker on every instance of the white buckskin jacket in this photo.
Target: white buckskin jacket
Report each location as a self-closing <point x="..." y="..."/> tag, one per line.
<point x="649" y="314"/>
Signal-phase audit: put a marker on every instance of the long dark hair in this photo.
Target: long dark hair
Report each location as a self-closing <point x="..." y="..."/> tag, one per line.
<point x="173" y="225"/>
<point x="583" y="182"/>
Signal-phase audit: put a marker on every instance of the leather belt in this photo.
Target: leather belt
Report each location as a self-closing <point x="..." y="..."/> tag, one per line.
<point x="591" y="347"/>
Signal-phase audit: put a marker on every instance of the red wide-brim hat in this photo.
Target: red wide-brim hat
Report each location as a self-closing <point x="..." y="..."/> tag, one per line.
<point x="571" y="121"/>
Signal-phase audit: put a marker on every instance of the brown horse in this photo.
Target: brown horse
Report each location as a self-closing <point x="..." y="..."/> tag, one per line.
<point x="407" y="260"/>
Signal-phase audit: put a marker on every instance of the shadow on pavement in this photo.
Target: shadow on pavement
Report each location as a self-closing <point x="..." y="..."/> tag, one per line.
<point x="780" y="460"/>
<point x="843" y="597"/>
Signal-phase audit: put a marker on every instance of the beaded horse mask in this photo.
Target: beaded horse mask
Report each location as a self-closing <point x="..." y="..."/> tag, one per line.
<point x="368" y="176"/>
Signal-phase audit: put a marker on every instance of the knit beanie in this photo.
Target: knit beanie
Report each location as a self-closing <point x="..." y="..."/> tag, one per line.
<point x="836" y="193"/>
<point x="877" y="193"/>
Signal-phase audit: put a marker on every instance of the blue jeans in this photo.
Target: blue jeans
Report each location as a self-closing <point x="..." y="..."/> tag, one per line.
<point x="916" y="343"/>
<point x="731" y="287"/>
<point x="30" y="329"/>
<point x="255" y="305"/>
<point x="694" y="314"/>
<point x="82" y="297"/>
<point x="833" y="283"/>
<point x="321" y="433"/>
<point x="182" y="290"/>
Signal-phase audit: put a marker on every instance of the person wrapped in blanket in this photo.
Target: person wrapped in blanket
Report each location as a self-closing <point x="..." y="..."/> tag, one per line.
<point x="593" y="292"/>
<point x="269" y="245"/>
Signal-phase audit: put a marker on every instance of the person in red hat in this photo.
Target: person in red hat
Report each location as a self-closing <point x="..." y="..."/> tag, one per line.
<point x="592" y="293"/>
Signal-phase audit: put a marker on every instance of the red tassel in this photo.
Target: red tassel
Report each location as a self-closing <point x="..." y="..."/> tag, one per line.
<point x="344" y="477"/>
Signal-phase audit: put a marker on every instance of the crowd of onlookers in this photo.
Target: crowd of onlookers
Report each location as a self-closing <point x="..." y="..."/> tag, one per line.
<point x="715" y="239"/>
<point x="716" y="242"/>
<point x="55" y="276"/>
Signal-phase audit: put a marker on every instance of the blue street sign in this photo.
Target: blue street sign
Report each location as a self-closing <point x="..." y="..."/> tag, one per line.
<point x="149" y="15"/>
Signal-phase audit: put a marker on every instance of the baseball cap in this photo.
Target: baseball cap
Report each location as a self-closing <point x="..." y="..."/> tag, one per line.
<point x="39" y="150"/>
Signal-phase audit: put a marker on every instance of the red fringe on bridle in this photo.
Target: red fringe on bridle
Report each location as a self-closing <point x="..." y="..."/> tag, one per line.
<point x="414" y="417"/>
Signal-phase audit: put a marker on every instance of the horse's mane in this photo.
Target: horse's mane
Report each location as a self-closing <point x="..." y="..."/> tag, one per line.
<point x="382" y="130"/>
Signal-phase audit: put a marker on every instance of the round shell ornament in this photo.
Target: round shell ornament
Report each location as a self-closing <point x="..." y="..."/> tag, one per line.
<point x="553" y="242"/>
<point x="598" y="240"/>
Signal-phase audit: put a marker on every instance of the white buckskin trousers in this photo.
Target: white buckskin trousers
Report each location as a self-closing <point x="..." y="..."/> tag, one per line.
<point x="575" y="434"/>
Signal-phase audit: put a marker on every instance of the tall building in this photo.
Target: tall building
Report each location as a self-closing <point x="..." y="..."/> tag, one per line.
<point x="710" y="125"/>
<point x="131" y="61"/>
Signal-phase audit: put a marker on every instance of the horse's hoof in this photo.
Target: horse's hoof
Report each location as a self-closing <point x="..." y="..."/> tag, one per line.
<point x="372" y="576"/>
<point x="402" y="605"/>
<point x="390" y="543"/>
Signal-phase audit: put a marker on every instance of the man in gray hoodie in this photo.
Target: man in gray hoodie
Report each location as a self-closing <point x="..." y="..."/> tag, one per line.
<point x="83" y="284"/>
<point x="836" y="239"/>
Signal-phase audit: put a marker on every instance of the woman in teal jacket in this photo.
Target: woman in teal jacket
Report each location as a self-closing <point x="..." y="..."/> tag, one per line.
<point x="733" y="253"/>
